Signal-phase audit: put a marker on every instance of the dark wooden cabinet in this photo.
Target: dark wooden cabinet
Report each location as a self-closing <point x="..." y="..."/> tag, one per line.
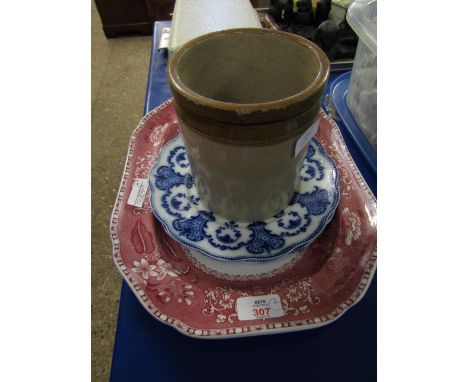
<point x="159" y="10"/>
<point x="124" y="17"/>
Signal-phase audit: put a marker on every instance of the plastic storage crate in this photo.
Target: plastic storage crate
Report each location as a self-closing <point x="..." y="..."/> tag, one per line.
<point x="362" y="92"/>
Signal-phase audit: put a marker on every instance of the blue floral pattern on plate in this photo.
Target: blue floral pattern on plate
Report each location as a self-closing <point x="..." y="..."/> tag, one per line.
<point x="175" y="201"/>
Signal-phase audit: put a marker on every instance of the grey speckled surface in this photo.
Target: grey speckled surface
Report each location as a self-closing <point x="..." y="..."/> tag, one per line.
<point x="119" y="73"/>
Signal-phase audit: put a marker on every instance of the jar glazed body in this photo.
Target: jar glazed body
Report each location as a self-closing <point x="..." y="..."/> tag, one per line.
<point x="244" y="156"/>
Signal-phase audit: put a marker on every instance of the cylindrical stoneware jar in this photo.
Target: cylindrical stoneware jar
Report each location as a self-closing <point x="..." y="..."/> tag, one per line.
<point x="247" y="100"/>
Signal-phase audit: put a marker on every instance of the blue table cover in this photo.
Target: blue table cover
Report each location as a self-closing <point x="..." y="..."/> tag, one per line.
<point x="147" y="350"/>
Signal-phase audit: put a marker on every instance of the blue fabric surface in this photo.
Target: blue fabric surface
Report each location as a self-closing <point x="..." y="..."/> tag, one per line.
<point x="147" y="350"/>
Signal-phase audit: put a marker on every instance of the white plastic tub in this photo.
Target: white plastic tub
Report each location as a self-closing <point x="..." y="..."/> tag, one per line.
<point x="362" y="92"/>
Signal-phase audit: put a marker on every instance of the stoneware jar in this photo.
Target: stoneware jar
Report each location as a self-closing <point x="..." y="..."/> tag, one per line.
<point x="247" y="100"/>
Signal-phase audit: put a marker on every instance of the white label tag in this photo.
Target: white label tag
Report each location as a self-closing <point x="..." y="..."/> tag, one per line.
<point x="137" y="196"/>
<point x="304" y="140"/>
<point x="164" y="40"/>
<point x="259" y="307"/>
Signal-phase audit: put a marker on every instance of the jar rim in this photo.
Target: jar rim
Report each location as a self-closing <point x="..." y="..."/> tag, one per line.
<point x="245" y="112"/>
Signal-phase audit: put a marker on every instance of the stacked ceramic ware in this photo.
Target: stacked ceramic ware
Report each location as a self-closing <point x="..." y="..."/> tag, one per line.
<point x="245" y="182"/>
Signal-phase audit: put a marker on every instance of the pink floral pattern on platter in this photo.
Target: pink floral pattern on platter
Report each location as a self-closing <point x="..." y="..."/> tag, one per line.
<point x="144" y="268"/>
<point x="352" y="224"/>
<point x="153" y="271"/>
<point x="157" y="131"/>
<point x="162" y="279"/>
<point x="219" y="302"/>
<point x="183" y="293"/>
<point x="143" y="164"/>
<point x="240" y="277"/>
<point x="331" y="276"/>
<point x="142" y="239"/>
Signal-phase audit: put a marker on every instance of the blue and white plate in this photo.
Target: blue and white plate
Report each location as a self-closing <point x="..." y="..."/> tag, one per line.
<point x="177" y="205"/>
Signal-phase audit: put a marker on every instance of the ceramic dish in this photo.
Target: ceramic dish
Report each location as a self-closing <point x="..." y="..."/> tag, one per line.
<point x="243" y="270"/>
<point x="332" y="275"/>
<point x="176" y="203"/>
<point x="241" y="126"/>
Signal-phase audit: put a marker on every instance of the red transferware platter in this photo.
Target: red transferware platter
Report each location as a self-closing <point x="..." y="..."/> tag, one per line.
<point x="313" y="288"/>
